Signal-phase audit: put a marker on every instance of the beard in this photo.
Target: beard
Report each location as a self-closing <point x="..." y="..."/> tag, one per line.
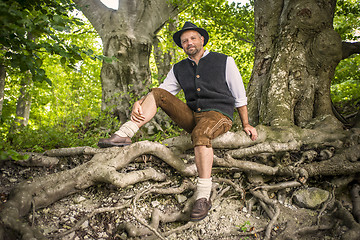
<point x="191" y="50"/>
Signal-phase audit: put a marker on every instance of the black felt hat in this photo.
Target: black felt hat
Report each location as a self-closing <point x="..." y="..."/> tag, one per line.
<point x="190" y="26"/>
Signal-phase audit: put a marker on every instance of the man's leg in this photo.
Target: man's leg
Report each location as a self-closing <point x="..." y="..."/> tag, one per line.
<point x="204" y="157"/>
<point x="123" y="136"/>
<point x="177" y="110"/>
<point x="209" y="125"/>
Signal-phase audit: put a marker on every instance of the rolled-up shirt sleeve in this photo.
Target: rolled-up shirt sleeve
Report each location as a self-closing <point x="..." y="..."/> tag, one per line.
<point x="235" y="83"/>
<point x="170" y="83"/>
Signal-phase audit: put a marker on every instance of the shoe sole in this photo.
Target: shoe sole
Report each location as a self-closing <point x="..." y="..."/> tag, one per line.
<point x="107" y="145"/>
<point x="196" y="219"/>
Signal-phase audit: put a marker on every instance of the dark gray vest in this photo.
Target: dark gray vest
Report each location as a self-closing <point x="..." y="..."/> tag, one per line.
<point x="205" y="84"/>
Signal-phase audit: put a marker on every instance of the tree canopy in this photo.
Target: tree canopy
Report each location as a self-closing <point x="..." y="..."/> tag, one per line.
<point x="31" y="30"/>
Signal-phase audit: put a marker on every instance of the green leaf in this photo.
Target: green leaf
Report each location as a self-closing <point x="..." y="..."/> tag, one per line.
<point x="77" y="57"/>
<point x="63" y="61"/>
<point x="38" y="62"/>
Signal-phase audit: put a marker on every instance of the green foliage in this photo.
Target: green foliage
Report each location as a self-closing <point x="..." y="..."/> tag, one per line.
<point x="30" y="29"/>
<point x="231" y="30"/>
<point x="347" y="19"/>
<point x="65" y="113"/>
<point x="68" y="133"/>
<point x="244" y="227"/>
<point x="13" y="155"/>
<point x="347" y="92"/>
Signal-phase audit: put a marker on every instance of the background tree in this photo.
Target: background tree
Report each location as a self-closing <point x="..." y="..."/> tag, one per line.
<point x="2" y="87"/>
<point x="57" y="68"/>
<point x="297" y="51"/>
<point x="127" y="35"/>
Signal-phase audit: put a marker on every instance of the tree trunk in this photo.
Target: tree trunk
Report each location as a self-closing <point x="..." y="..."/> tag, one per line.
<point x="24" y="101"/>
<point x="163" y="59"/>
<point x="127" y="34"/>
<point x="2" y="87"/>
<point x="297" y="51"/>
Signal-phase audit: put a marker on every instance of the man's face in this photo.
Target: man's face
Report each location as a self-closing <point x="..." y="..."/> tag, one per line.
<point x="192" y="42"/>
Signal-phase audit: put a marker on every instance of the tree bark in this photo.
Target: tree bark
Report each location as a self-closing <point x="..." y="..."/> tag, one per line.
<point x="297" y="51"/>
<point x="127" y="35"/>
<point x="350" y="48"/>
<point x="163" y="59"/>
<point x="24" y="101"/>
<point x="2" y="87"/>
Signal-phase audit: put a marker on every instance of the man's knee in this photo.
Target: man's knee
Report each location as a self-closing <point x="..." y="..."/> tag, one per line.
<point x="160" y="95"/>
<point x="200" y="138"/>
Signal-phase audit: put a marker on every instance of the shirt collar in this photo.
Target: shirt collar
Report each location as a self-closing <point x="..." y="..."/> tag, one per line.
<point x="204" y="55"/>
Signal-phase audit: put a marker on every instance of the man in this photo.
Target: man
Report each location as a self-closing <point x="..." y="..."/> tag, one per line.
<point x="213" y="87"/>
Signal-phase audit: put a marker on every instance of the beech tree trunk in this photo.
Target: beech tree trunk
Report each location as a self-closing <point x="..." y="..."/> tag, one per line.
<point x="127" y="34"/>
<point x="297" y="51"/>
<point x="24" y="101"/>
<point x="163" y="59"/>
<point x="2" y="87"/>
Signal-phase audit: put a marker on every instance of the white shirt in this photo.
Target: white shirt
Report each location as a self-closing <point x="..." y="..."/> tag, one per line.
<point x="233" y="80"/>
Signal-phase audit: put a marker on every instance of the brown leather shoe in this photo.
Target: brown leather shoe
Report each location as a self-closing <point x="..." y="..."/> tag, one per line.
<point x="200" y="209"/>
<point x="114" y="141"/>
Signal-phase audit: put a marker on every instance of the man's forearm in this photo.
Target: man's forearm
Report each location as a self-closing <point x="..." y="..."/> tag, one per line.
<point x="243" y="114"/>
<point x="248" y="129"/>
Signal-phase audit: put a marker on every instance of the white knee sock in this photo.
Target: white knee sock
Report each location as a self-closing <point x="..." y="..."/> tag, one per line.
<point x="203" y="188"/>
<point x="128" y="129"/>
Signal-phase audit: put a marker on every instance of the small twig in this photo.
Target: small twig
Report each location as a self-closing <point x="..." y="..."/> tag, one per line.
<point x="33" y="210"/>
<point x="276" y="214"/>
<point x="267" y="209"/>
<point x="250" y="204"/>
<point x="223" y="192"/>
<point x="279" y="186"/>
<point x="141" y="220"/>
<point x="149" y="227"/>
<point x="315" y="228"/>
<point x="237" y="188"/>
<point x="328" y="201"/>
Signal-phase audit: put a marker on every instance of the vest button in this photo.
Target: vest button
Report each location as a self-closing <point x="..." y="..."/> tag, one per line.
<point x="199" y="109"/>
<point x="198" y="89"/>
<point x="197" y="76"/>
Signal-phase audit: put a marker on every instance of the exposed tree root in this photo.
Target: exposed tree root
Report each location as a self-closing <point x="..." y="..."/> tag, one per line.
<point x="93" y="213"/>
<point x="38" y="160"/>
<point x="267" y="147"/>
<point x="348" y="220"/>
<point x="45" y="190"/>
<point x="355" y="198"/>
<point x="105" y="165"/>
<point x="264" y="198"/>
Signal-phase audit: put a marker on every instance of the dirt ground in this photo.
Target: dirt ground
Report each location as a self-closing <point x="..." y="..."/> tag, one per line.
<point x="228" y="218"/>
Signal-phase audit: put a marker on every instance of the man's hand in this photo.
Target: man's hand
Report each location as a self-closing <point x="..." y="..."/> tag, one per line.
<point x="137" y="113"/>
<point x="251" y="131"/>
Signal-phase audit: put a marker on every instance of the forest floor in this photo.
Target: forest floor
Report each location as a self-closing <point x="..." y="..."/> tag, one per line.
<point x="228" y="218"/>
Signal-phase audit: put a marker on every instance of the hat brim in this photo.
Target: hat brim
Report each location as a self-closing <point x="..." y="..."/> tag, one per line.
<point x="202" y="32"/>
